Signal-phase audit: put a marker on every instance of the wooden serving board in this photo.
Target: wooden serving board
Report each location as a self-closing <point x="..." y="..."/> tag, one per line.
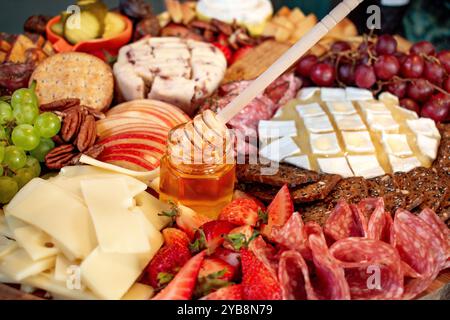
<point x="439" y="290"/>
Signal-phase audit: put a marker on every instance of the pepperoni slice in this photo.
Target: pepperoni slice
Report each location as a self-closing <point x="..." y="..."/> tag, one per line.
<point x="294" y="278"/>
<point x="373" y="268"/>
<point x="345" y="221"/>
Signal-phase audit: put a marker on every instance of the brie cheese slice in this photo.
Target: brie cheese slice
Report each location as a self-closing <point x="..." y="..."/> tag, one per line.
<point x="396" y="145"/>
<point x="319" y="124"/>
<point x="275" y="129"/>
<point x="307" y="93"/>
<point x="424" y="126"/>
<point x="428" y="146"/>
<point x="335" y="166"/>
<point x="403" y="164"/>
<point x="351" y="122"/>
<point x="280" y="149"/>
<point x="325" y="144"/>
<point x="333" y="94"/>
<point x="374" y="107"/>
<point x="354" y="94"/>
<point x="299" y="161"/>
<point x="341" y="107"/>
<point x="382" y="122"/>
<point x="310" y="110"/>
<point x="408" y="114"/>
<point x="365" y="166"/>
<point x="358" y="141"/>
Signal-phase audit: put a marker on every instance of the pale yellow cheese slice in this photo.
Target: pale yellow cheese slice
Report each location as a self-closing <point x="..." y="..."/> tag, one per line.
<point x="6" y="246"/>
<point x="18" y="265"/>
<point x="139" y="291"/>
<point x="35" y="242"/>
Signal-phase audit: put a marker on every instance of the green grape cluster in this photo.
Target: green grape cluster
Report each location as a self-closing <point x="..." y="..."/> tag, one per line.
<point x="25" y="140"/>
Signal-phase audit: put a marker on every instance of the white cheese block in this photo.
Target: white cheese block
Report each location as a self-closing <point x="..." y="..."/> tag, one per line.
<point x="358" y="141"/>
<point x="403" y="164"/>
<point x="341" y="107"/>
<point x="35" y="242"/>
<point x="428" y="146"/>
<point x="18" y="265"/>
<point x="139" y="291"/>
<point x="407" y="114"/>
<point x="280" y="149"/>
<point x="424" y="126"/>
<point x="151" y="207"/>
<point x="365" y="166"/>
<point x="6" y="246"/>
<point x="299" y="161"/>
<point x="307" y="93"/>
<point x="335" y="166"/>
<point x="374" y="107"/>
<point x="332" y="94"/>
<point x="354" y="94"/>
<point x="118" y="230"/>
<point x="4" y="229"/>
<point x="276" y="129"/>
<point x="57" y="213"/>
<point x="320" y="124"/>
<point x="382" y="122"/>
<point x="324" y="144"/>
<point x="310" y="110"/>
<point x="352" y="122"/>
<point x="396" y="145"/>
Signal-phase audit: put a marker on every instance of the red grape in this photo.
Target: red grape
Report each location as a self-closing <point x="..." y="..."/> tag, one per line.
<point x="423" y="47"/>
<point x="386" y="67"/>
<point x="434" y="72"/>
<point x="435" y="110"/>
<point x="346" y="73"/>
<point x="306" y="82"/>
<point x="444" y="58"/>
<point x="446" y="85"/>
<point x="386" y="44"/>
<point x="398" y="88"/>
<point x="442" y="99"/>
<point x="401" y="57"/>
<point x="410" y="104"/>
<point x="413" y="66"/>
<point x="340" y="46"/>
<point x="305" y="65"/>
<point x="322" y="74"/>
<point x="420" y="90"/>
<point x="365" y="76"/>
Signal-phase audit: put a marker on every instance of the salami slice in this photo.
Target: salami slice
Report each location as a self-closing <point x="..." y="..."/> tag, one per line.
<point x="373" y="268"/>
<point x="292" y="235"/>
<point x="345" y="221"/>
<point x="294" y="278"/>
<point x="438" y="226"/>
<point x="380" y="223"/>
<point x="330" y="282"/>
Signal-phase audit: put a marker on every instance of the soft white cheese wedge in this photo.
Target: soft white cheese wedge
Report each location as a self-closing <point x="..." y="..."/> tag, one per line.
<point x="307" y="93"/>
<point x="374" y="107"/>
<point x="424" y="126"/>
<point x="354" y="94"/>
<point x="335" y="166"/>
<point x="276" y="129"/>
<point x="403" y="164"/>
<point x="333" y="94"/>
<point x="352" y="122"/>
<point x="428" y="146"/>
<point x="310" y="110"/>
<point x="299" y="161"/>
<point x="324" y="144"/>
<point x="358" y="141"/>
<point x="396" y="145"/>
<point x="280" y="149"/>
<point x="382" y="122"/>
<point x="319" y="124"/>
<point x="341" y="107"/>
<point x="365" y="166"/>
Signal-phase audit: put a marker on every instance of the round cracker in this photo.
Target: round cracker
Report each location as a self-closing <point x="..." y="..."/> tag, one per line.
<point x="75" y="75"/>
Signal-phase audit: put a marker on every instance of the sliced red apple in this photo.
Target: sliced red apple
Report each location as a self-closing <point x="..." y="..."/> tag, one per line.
<point x="129" y="162"/>
<point x="133" y="137"/>
<point x="145" y="148"/>
<point x="133" y="129"/>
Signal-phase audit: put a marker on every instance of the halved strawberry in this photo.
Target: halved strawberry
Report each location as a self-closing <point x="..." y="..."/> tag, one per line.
<point x="279" y="211"/>
<point x="233" y="292"/>
<point x="223" y="270"/>
<point x="211" y="235"/>
<point x="225" y="50"/>
<point x="229" y="256"/>
<point x="240" y="53"/>
<point x="190" y="221"/>
<point x="182" y="286"/>
<point x="238" y="194"/>
<point x="175" y="236"/>
<point x="166" y="263"/>
<point x="258" y="283"/>
<point x="241" y="212"/>
<point x="239" y="238"/>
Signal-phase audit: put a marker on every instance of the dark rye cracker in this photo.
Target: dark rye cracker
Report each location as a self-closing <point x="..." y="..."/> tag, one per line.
<point x="316" y="191"/>
<point x="74" y="75"/>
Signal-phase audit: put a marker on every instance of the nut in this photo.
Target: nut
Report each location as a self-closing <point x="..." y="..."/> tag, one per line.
<point x="87" y="134"/>
<point x="60" y="157"/>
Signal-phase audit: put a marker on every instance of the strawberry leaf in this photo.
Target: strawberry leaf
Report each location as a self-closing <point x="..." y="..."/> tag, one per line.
<point x="211" y="282"/>
<point x="164" y="278"/>
<point x="263" y="216"/>
<point x="199" y="244"/>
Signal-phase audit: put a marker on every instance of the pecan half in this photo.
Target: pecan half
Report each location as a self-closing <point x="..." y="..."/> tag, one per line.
<point x="87" y="134"/>
<point x="60" y="157"/>
<point x="223" y="27"/>
<point x="71" y="124"/>
<point x="60" y="105"/>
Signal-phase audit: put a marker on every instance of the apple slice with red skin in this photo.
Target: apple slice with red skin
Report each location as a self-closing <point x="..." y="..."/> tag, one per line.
<point x="145" y="138"/>
<point x="129" y="161"/>
<point x="133" y="129"/>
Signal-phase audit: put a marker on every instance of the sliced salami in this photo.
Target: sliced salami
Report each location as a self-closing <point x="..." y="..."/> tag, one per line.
<point x="373" y="268"/>
<point x="438" y="226"/>
<point x="292" y="235"/>
<point x="345" y="221"/>
<point x="380" y="223"/>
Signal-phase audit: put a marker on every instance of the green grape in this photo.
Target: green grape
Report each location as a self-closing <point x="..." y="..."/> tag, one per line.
<point x="5" y="113"/>
<point x="33" y="164"/>
<point x="25" y="113"/>
<point x="1" y="170"/>
<point x="26" y="137"/>
<point x="3" y="135"/>
<point x="15" y="158"/>
<point x="48" y="124"/>
<point x="2" y="153"/>
<point x="23" y="176"/>
<point x="8" y="189"/>
<point x="24" y="97"/>
<point x="42" y="149"/>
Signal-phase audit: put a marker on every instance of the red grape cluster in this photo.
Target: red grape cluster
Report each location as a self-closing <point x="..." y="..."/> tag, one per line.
<point x="420" y="79"/>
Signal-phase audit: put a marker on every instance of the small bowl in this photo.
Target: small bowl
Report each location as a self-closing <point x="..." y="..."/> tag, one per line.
<point x="97" y="47"/>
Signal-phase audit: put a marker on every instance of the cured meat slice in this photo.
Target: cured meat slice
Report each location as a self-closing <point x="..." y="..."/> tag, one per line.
<point x="330" y="282"/>
<point x="419" y="247"/>
<point x="380" y="222"/>
<point x="265" y="253"/>
<point x="373" y="269"/>
<point x="345" y="221"/>
<point x="292" y="235"/>
<point x="293" y="275"/>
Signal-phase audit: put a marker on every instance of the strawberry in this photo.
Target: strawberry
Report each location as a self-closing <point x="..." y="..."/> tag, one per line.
<point x="239" y="238"/>
<point x="258" y="283"/>
<point x="241" y="194"/>
<point x="189" y="221"/>
<point x="166" y="263"/>
<point x="210" y="235"/>
<point x="175" y="236"/>
<point x="223" y="39"/>
<point x="229" y="256"/>
<point x="214" y="274"/>
<point x="225" y="50"/>
<point x="241" y="212"/>
<point x="279" y="211"/>
<point x="182" y="286"/>
<point x="240" y="53"/>
<point x="233" y="292"/>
